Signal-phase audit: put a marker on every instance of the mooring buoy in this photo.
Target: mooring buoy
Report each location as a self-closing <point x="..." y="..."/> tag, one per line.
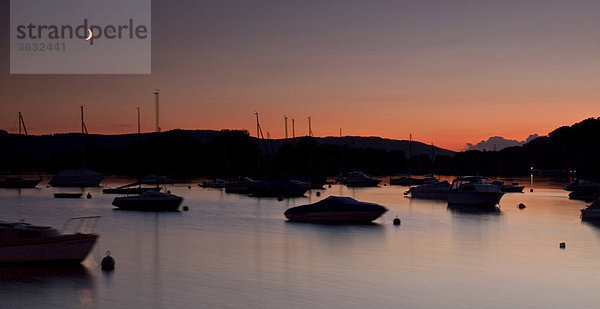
<point x="562" y="245"/>
<point x="185" y="208"/>
<point x="89" y="195"/>
<point x="280" y="198"/>
<point x="108" y="263"/>
<point x="318" y="193"/>
<point x="396" y="221"/>
<point x="521" y="206"/>
<point x="531" y="190"/>
<point x="189" y="187"/>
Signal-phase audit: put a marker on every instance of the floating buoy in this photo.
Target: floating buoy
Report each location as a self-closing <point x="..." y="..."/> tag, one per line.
<point x="318" y="193"/>
<point x="169" y="191"/>
<point x="108" y="263"/>
<point x="89" y="195"/>
<point x="189" y="187"/>
<point x="280" y="198"/>
<point x="521" y="206"/>
<point x="48" y="186"/>
<point x="329" y="186"/>
<point x="531" y="190"/>
<point x="396" y="221"/>
<point x="185" y="208"/>
<point x="562" y="245"/>
<point x="385" y="184"/>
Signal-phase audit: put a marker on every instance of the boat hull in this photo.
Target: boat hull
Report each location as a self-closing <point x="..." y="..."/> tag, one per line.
<point x="147" y="205"/>
<point x="477" y="199"/>
<point x="336" y="217"/>
<point x="64" y="249"/>
<point x="21" y="183"/>
<point x="362" y="183"/>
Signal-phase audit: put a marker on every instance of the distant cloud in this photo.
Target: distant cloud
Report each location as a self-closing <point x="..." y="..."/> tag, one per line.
<point x="499" y="143"/>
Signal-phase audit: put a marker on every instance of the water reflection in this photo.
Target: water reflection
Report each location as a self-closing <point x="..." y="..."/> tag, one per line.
<point x="470" y="210"/>
<point x="31" y="286"/>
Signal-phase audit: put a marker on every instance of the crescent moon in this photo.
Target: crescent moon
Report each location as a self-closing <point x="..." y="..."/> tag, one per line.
<point x="89" y="35"/>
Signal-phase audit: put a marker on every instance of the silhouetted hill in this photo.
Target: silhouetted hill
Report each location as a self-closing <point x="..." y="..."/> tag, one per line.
<point x="496" y="143"/>
<point x="212" y="153"/>
<point x="567" y="148"/>
<point x="48" y="145"/>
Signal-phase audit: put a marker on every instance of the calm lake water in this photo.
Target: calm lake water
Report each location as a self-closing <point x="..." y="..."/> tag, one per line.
<point x="232" y="251"/>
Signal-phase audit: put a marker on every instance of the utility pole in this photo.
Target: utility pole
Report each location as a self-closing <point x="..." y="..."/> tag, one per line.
<point x="309" y="127"/>
<point x="156" y="94"/>
<point x="285" y="119"/>
<point x="293" y="129"/>
<point x="138" y="114"/>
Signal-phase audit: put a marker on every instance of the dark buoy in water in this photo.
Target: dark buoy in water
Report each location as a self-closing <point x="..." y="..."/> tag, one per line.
<point x="521" y="206"/>
<point x="48" y="186"/>
<point x="169" y="191"/>
<point x="562" y="245"/>
<point x="385" y="184"/>
<point x="108" y="263"/>
<point x="89" y="195"/>
<point x="329" y="186"/>
<point x="396" y="221"/>
<point x="318" y="193"/>
<point x="189" y="187"/>
<point x="280" y="198"/>
<point x="531" y="190"/>
<point x="185" y="208"/>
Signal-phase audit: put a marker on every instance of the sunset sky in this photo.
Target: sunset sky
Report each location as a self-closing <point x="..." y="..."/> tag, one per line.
<point x="449" y="72"/>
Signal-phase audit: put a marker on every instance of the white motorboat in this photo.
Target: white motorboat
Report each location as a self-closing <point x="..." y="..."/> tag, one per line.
<point x="22" y="242"/>
<point x="436" y="191"/>
<point x="474" y="191"/>
<point x="591" y="212"/>
<point x="149" y="201"/>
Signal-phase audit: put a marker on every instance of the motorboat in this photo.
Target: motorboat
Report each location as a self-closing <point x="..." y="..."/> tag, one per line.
<point x="359" y="179"/>
<point x="436" y="191"/>
<point x="155" y="180"/>
<point x="514" y="187"/>
<point x="578" y="185"/>
<point x="474" y="191"/>
<point x="130" y="189"/>
<point x="279" y="188"/>
<point x="336" y="210"/>
<point x="584" y="196"/>
<point x="22" y="242"/>
<point x="591" y="212"/>
<point x="242" y="186"/>
<point x="67" y="195"/>
<point x="217" y="183"/>
<point x="76" y="178"/>
<point x="19" y="182"/>
<point x="316" y="182"/>
<point x="149" y="201"/>
<point x="407" y="180"/>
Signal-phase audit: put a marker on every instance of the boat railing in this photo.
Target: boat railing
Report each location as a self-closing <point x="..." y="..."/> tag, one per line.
<point x="81" y="225"/>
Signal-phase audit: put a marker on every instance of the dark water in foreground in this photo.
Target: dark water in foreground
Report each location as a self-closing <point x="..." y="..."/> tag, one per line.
<point x="232" y="251"/>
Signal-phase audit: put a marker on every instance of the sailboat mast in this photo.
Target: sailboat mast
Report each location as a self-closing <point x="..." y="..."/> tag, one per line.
<point x="156" y="94"/>
<point x="285" y="119"/>
<point x="83" y="127"/>
<point x="309" y="127"/>
<point x="22" y="126"/>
